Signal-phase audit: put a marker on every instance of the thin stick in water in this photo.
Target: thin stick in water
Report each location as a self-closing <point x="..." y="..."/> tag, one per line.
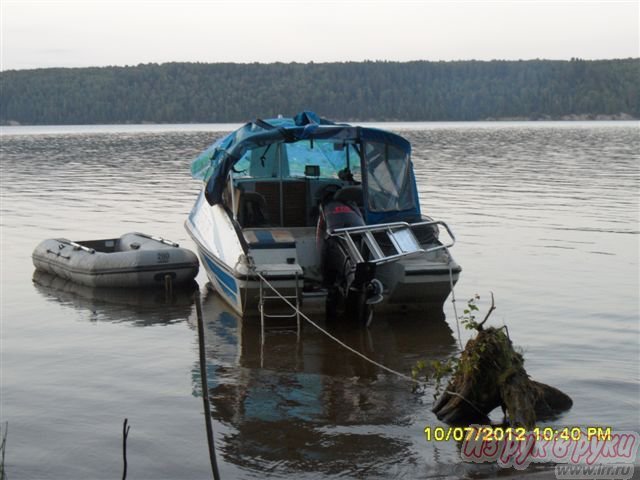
<point x="125" y="434"/>
<point x="3" y="448"/>
<point x="205" y="388"/>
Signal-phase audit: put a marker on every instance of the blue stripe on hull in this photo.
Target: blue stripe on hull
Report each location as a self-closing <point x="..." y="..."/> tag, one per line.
<point x="225" y="281"/>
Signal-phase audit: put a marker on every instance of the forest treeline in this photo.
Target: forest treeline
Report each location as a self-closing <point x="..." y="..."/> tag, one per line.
<point x="380" y="91"/>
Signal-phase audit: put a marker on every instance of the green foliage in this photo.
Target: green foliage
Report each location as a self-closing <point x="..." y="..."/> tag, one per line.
<point x="438" y="370"/>
<point x="382" y="91"/>
<point x="469" y="319"/>
<point x="435" y="372"/>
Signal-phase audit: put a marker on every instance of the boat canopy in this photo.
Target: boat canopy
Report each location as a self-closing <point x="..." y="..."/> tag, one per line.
<point x="382" y="158"/>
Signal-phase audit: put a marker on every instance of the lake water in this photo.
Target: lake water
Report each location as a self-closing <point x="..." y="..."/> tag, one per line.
<point x="546" y="216"/>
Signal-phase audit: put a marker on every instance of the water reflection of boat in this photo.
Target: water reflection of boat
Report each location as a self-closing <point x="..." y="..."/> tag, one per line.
<point x="142" y="307"/>
<point x="305" y="404"/>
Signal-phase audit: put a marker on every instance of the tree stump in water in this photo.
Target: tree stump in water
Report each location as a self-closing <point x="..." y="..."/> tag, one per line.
<point x="490" y="373"/>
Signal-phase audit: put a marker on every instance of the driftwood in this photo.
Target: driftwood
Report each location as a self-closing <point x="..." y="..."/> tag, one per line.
<point x="490" y="374"/>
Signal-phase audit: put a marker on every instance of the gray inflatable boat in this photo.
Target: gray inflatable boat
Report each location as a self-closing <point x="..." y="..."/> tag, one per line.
<point x="133" y="260"/>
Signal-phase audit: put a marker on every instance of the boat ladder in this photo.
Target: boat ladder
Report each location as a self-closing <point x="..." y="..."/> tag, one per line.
<point x="399" y="238"/>
<point x="266" y="296"/>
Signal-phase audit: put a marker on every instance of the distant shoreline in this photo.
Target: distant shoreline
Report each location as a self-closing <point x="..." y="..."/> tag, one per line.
<point x="625" y="117"/>
<point x="354" y="92"/>
<point x="585" y="117"/>
<point x="216" y="129"/>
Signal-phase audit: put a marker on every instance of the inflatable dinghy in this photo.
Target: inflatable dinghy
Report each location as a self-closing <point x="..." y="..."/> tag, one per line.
<point x="133" y="260"/>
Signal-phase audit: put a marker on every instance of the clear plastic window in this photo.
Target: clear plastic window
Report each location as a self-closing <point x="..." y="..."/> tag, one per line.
<point x="389" y="186"/>
<point x="330" y="156"/>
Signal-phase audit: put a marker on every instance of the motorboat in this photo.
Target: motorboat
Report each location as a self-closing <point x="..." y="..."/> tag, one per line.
<point x="309" y="207"/>
<point x="133" y="260"/>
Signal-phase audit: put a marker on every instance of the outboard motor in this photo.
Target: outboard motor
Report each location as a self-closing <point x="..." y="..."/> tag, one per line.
<point x="342" y="275"/>
<point x="338" y="214"/>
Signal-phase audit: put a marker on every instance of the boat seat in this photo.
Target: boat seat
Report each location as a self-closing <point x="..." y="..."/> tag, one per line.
<point x="351" y="193"/>
<point x="264" y="239"/>
<point x="252" y="210"/>
<point x="286" y="201"/>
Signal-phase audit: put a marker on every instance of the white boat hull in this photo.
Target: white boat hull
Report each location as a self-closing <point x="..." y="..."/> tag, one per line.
<point x="418" y="280"/>
<point x="223" y="257"/>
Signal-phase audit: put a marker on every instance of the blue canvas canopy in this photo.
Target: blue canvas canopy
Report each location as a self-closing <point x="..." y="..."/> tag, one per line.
<point x="215" y="164"/>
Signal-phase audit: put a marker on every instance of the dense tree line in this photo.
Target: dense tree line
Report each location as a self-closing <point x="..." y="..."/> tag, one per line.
<point x="227" y="92"/>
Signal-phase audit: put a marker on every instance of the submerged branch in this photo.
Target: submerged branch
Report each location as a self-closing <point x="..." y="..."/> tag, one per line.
<point x="125" y="434"/>
<point x="3" y="447"/>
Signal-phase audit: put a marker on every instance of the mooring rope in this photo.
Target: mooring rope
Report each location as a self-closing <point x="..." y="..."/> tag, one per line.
<point x="364" y="357"/>
<point x="338" y="341"/>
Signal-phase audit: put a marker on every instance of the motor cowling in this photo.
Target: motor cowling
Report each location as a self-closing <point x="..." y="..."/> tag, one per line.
<point x="336" y="214"/>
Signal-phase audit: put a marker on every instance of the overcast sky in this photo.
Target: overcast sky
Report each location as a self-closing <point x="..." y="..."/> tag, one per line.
<point x="56" y="33"/>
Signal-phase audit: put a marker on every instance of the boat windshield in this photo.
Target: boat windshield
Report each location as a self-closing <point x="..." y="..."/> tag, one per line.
<point x="317" y="158"/>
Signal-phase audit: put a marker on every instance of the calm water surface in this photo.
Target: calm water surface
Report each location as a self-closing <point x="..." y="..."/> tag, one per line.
<point x="546" y="217"/>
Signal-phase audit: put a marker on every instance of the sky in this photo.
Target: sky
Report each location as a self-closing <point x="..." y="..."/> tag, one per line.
<point x="82" y="33"/>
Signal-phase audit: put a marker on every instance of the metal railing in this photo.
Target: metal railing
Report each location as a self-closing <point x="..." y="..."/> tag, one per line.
<point x="400" y="235"/>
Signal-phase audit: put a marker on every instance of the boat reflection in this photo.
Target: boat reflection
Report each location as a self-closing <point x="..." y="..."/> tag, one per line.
<point x="304" y="403"/>
<point x="141" y="307"/>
